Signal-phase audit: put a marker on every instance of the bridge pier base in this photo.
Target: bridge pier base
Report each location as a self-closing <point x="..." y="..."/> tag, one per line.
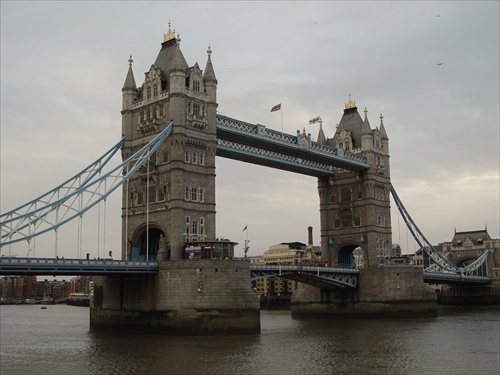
<point x="186" y="297"/>
<point x="382" y="293"/>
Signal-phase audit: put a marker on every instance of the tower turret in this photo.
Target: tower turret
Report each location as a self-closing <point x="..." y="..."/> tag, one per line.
<point x="366" y="134"/>
<point x="129" y="94"/>
<point x="383" y="135"/>
<point x="210" y="83"/>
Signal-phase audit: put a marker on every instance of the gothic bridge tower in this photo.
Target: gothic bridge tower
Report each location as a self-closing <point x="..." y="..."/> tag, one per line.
<point x="172" y="199"/>
<point x="355" y="207"/>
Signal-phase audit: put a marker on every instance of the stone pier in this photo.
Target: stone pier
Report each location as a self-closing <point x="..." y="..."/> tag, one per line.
<point x="186" y="297"/>
<point x="383" y="293"/>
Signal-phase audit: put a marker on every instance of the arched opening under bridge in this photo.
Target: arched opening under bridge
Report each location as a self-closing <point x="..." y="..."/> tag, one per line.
<point x="346" y="257"/>
<point x="150" y="245"/>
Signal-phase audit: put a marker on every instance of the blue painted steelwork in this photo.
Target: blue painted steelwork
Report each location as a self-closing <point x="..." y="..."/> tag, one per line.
<point x="65" y="267"/>
<point x="44" y="216"/>
<point x="441" y="265"/>
<point x="256" y="144"/>
<point x="454" y="278"/>
<point x="325" y="277"/>
<point x="82" y="178"/>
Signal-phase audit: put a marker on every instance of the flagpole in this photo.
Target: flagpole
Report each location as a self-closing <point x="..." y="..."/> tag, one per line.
<point x="281" y="110"/>
<point x="245" y="249"/>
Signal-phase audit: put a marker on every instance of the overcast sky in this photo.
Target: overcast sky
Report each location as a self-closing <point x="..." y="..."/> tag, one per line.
<point x="431" y="69"/>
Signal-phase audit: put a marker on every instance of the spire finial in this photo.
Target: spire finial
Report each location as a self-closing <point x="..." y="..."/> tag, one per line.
<point x="209" y="51"/>
<point x="130" y="61"/>
<point x="366" y="113"/>
<point x="169" y="35"/>
<point x="350" y="103"/>
<point x="381" y="119"/>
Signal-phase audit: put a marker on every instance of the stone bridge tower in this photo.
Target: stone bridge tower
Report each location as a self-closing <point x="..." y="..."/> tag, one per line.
<point x="355" y="207"/>
<point x="172" y="199"/>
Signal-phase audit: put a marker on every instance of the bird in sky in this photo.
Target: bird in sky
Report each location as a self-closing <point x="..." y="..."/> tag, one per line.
<point x="439" y="64"/>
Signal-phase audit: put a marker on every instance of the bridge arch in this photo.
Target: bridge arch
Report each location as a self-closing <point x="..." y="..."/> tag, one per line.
<point x="149" y="242"/>
<point x="344" y="256"/>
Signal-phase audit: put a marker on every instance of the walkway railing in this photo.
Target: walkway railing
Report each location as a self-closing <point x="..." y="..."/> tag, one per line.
<point x="62" y="266"/>
<point x="454" y="278"/>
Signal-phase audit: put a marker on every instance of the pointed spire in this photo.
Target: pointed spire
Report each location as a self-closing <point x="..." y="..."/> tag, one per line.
<point x="177" y="61"/>
<point x="209" y="73"/>
<point x="366" y="124"/>
<point x="321" y="134"/>
<point x="382" y="128"/>
<point x="130" y="80"/>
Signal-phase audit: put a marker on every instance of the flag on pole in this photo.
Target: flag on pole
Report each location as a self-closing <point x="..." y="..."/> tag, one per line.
<point x="277" y="107"/>
<point x="315" y="120"/>
<point x="244" y="229"/>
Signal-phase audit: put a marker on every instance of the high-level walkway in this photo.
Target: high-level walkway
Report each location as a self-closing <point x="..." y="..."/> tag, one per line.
<point x="254" y="143"/>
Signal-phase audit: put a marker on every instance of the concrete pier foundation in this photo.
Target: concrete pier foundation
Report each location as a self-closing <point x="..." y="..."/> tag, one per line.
<point x="186" y="297"/>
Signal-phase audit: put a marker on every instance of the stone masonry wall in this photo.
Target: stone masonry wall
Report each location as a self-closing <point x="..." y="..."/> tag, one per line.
<point x="403" y="284"/>
<point x="205" y="284"/>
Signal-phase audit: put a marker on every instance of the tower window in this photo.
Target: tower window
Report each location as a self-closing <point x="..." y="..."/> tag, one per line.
<point x="151" y="194"/>
<point x="346" y="195"/>
<point x="155" y="90"/>
<point x="346" y="221"/>
<point x="194" y="194"/>
<point x="148" y="92"/>
<point x="196" y="85"/>
<point x="196" y="109"/>
<point x="166" y="156"/>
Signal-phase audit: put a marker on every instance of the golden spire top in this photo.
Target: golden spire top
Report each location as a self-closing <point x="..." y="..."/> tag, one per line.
<point x="169" y="35"/>
<point x="351" y="103"/>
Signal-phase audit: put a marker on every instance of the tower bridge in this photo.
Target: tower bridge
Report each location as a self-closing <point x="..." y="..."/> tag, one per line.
<point x="171" y="136"/>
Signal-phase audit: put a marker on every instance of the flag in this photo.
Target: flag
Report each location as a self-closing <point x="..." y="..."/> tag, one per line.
<point x="277" y="107"/>
<point x="315" y="120"/>
<point x="244" y="229"/>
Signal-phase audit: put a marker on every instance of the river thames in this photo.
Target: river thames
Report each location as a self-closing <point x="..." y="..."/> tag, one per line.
<point x="57" y="340"/>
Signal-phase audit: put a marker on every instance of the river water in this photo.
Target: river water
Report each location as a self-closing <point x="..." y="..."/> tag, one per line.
<point x="57" y="340"/>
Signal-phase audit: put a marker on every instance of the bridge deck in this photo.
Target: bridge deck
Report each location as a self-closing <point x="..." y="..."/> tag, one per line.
<point x="455" y="278"/>
<point x="76" y="267"/>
